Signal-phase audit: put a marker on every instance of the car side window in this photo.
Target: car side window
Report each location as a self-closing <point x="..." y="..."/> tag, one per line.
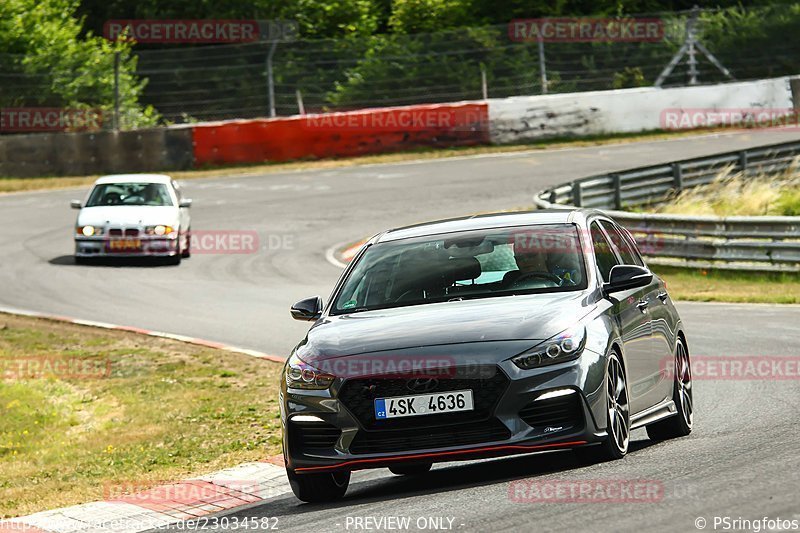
<point x="604" y="254"/>
<point x="632" y="242"/>
<point x="626" y="251"/>
<point x="178" y="191"/>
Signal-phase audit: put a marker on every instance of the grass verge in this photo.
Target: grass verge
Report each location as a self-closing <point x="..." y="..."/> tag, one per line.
<point x="8" y="184"/>
<point x="727" y="286"/>
<point x="736" y="194"/>
<point x="165" y="410"/>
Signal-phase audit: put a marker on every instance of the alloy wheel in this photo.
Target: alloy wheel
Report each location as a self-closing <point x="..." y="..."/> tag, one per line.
<point x="618" y="407"/>
<point x="683" y="381"/>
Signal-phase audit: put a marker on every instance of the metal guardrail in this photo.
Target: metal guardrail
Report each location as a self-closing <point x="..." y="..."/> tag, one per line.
<point x="740" y="243"/>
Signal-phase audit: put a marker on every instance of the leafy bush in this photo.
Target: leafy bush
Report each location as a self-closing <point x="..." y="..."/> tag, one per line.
<point x="47" y="63"/>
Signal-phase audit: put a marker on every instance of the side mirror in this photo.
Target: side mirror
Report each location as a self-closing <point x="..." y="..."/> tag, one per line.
<point x="309" y="309"/>
<point x="185" y="203"/>
<point x="624" y="277"/>
<point x="75" y="204"/>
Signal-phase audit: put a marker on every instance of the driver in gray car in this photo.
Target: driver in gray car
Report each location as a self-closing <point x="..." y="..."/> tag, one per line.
<point x="535" y="264"/>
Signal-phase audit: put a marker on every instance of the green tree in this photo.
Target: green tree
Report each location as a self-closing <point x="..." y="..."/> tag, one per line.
<point x="47" y="63"/>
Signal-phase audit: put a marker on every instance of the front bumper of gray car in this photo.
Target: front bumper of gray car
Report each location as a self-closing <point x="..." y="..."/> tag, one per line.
<point x="516" y="411"/>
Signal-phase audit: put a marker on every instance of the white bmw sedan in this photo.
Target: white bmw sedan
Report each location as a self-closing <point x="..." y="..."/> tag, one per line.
<point x="133" y="215"/>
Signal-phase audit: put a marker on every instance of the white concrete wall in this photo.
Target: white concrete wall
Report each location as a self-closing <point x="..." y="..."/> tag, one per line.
<point x="524" y="118"/>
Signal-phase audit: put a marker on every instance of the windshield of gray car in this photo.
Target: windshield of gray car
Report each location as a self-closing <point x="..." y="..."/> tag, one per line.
<point x="466" y="265"/>
<point x="153" y="194"/>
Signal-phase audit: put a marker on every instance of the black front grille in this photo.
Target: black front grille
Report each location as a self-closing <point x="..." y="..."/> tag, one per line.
<point x="561" y="411"/>
<point x="312" y="436"/>
<point x="399" y="440"/>
<point x="358" y="396"/>
<point x="131" y="232"/>
<point x="115" y="232"/>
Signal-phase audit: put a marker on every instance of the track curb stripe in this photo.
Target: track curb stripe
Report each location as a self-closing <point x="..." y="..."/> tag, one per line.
<point x="150" y="333"/>
<point x="244" y="485"/>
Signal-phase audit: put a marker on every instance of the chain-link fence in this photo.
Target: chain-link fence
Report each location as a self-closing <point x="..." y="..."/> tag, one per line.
<point x="187" y="83"/>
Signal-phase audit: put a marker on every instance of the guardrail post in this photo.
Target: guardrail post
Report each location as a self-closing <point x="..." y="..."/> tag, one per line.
<point x="743" y="161"/>
<point x="617" y="191"/>
<point x="577" y="196"/>
<point x="677" y="177"/>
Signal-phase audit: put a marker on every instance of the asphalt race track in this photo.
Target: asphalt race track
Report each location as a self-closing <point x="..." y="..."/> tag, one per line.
<point x="741" y="461"/>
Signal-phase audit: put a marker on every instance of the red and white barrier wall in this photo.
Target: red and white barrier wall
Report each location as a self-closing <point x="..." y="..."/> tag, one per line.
<point x="528" y="118"/>
<point x="391" y="129"/>
<point x="498" y="121"/>
<point x="369" y="131"/>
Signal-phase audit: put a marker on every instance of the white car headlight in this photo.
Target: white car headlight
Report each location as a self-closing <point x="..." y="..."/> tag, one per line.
<point x="89" y="231"/>
<point x="159" y="230"/>
<point x="565" y="346"/>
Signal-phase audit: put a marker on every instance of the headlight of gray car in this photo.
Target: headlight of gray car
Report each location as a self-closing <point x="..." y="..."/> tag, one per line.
<point x="301" y="375"/>
<point x="565" y="346"/>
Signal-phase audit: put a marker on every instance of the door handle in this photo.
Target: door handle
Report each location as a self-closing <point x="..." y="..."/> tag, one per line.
<point x="642" y="305"/>
<point x="663" y="296"/>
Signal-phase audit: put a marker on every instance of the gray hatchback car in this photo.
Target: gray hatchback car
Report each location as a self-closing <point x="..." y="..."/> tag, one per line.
<point x="483" y="336"/>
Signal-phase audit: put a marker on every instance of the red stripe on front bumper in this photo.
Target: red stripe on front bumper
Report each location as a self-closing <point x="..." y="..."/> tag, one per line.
<point x="515" y="447"/>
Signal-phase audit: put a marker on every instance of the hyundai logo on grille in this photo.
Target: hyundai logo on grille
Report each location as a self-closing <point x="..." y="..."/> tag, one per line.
<point x="422" y="384"/>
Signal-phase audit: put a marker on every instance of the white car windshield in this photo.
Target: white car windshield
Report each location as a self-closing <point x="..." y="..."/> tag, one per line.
<point x="154" y="194"/>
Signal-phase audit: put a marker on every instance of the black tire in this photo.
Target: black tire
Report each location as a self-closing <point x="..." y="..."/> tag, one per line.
<point x="411" y="470"/>
<point x="618" y="422"/>
<point x="187" y="252"/>
<point x="319" y="488"/>
<point x="679" y="425"/>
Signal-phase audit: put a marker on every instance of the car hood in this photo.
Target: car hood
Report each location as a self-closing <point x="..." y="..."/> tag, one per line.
<point x="128" y="215"/>
<point x="529" y="318"/>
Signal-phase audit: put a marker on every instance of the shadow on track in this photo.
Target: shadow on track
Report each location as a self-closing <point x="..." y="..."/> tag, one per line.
<point x="146" y="262"/>
<point x="456" y="477"/>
